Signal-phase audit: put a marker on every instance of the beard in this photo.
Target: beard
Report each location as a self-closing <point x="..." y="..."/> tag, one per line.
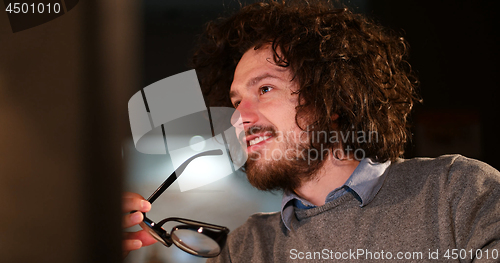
<point x="298" y="163"/>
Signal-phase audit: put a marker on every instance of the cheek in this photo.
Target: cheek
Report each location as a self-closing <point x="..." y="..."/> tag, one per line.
<point x="281" y="112"/>
<point x="286" y="124"/>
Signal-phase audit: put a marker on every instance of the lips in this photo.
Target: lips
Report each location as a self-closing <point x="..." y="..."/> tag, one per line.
<point x="257" y="136"/>
<point x="257" y="139"/>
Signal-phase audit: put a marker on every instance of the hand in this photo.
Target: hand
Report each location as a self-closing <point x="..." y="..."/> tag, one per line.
<point x="135" y="240"/>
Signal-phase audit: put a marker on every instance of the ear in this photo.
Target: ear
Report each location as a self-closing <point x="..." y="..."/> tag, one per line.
<point x="334" y="117"/>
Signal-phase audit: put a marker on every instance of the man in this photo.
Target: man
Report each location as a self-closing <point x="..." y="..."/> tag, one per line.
<point x="324" y="96"/>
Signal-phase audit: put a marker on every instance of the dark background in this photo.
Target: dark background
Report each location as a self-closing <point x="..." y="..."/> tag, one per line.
<point x="453" y="49"/>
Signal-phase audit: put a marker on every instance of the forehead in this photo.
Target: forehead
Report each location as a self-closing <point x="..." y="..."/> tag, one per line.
<point x="256" y="64"/>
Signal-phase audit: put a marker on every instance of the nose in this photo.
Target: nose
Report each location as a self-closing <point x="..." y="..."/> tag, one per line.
<point x="248" y="113"/>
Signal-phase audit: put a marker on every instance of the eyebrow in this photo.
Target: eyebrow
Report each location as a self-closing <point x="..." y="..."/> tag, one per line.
<point x="254" y="81"/>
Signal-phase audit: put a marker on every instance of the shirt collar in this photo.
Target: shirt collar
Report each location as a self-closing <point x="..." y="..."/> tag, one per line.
<point x="365" y="181"/>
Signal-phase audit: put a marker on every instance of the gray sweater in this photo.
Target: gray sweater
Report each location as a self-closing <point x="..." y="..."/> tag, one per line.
<point x="446" y="208"/>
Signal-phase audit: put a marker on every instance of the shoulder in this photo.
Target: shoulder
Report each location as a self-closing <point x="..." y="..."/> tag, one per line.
<point x="473" y="167"/>
<point x="444" y="174"/>
<point x="473" y="179"/>
<point x="253" y="239"/>
<point x="448" y="165"/>
<point x="468" y="198"/>
<point x="250" y="240"/>
<point x="263" y="218"/>
<point x="421" y="164"/>
<point x="256" y="225"/>
<point x="454" y="174"/>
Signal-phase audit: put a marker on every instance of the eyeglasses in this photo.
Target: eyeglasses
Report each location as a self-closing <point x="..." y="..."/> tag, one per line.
<point x="194" y="237"/>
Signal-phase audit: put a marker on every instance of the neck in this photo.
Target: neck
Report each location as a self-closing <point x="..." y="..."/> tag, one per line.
<point x="333" y="174"/>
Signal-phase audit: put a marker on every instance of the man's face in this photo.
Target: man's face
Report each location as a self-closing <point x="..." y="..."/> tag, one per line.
<point x="264" y="94"/>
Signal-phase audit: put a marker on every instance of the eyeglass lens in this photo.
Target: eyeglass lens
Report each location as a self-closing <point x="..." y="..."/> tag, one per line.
<point x="195" y="241"/>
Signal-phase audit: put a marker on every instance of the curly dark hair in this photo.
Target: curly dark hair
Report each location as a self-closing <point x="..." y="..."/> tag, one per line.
<point x="345" y="64"/>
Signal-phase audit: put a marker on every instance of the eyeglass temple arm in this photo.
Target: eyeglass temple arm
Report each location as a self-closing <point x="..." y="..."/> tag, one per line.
<point x="171" y="179"/>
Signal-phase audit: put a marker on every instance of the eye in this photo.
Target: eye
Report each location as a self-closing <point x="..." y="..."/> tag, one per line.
<point x="236" y="104"/>
<point x="265" y="89"/>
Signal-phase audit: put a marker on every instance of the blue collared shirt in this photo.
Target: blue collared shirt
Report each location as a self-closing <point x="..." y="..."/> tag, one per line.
<point x="364" y="183"/>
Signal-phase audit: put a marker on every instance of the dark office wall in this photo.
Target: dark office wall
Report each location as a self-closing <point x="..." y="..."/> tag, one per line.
<point x="454" y="50"/>
<point x="64" y="87"/>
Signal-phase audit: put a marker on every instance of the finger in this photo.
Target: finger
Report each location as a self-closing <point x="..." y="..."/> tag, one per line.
<point x="142" y="235"/>
<point x="135" y="203"/>
<point x="132" y="219"/>
<point x="131" y="244"/>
